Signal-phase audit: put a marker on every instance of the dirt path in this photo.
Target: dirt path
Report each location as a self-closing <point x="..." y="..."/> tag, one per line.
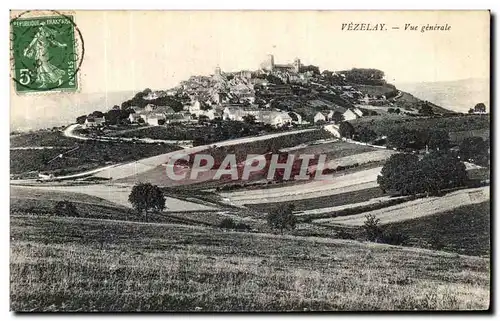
<point x="417" y="208"/>
<point x="341" y="184"/>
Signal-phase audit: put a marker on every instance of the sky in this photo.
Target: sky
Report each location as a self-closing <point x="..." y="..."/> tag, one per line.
<point x="127" y="51"/>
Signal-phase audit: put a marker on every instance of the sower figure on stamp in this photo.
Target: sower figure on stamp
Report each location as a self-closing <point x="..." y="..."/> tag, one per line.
<point x="46" y="73"/>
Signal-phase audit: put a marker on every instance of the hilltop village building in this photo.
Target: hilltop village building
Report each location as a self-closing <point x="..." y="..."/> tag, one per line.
<point x="352" y="113"/>
<point x="269" y="65"/>
<point x="270" y="117"/>
<point x="91" y="121"/>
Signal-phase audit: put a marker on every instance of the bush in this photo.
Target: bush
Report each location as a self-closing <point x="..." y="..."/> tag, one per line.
<point x="227" y="223"/>
<point x="394" y="238"/>
<point x="282" y="218"/>
<point x="65" y="208"/>
<point x="342" y="234"/>
<point x="372" y="228"/>
<point x="242" y="227"/>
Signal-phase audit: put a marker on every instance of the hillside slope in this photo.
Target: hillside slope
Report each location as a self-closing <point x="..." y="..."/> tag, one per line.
<point x="72" y="264"/>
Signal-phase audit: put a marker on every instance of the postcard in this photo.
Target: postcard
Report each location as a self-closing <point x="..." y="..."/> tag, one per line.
<point x="249" y="161"/>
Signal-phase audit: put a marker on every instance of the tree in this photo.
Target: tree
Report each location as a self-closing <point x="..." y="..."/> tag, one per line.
<point x="471" y="111"/>
<point x="399" y="174"/>
<point x="282" y="218"/>
<point x="346" y="129"/>
<point x="403" y="138"/>
<point x="426" y="109"/>
<point x="474" y="149"/>
<point x="438" y="139"/>
<point x="338" y="117"/>
<point x="97" y="113"/>
<point x="441" y="170"/>
<point x="249" y="119"/>
<point x="314" y="69"/>
<point x="480" y="108"/>
<point x="145" y="197"/>
<point x="65" y="208"/>
<point x="365" y="135"/>
<point x="404" y="174"/>
<point x="113" y="116"/>
<point x="366" y="76"/>
<point x="81" y="119"/>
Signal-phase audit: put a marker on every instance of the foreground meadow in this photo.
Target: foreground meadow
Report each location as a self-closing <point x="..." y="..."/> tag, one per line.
<point x="77" y="264"/>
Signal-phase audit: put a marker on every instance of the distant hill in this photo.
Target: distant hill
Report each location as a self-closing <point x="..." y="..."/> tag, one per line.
<point x="60" y="112"/>
<point x="458" y="95"/>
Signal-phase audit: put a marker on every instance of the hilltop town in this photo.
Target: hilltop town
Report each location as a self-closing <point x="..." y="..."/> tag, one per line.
<point x="278" y="95"/>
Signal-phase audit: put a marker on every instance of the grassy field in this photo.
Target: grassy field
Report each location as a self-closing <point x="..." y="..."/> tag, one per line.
<point x="333" y="150"/>
<point x="44" y="137"/>
<point x="89" y="155"/>
<point x="453" y="124"/>
<point x="464" y="230"/>
<point x="37" y="202"/>
<point x="74" y="264"/>
<point x="325" y="201"/>
<point x="268" y="145"/>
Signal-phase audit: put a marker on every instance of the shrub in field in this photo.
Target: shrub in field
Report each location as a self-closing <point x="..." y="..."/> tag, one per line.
<point x="242" y="227"/>
<point x="342" y="234"/>
<point x="372" y="228"/>
<point x="65" y="208"/>
<point x="145" y="197"/>
<point x="282" y="218"/>
<point x="394" y="238"/>
<point x="227" y="223"/>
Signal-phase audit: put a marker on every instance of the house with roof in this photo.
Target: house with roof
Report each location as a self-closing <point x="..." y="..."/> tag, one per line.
<point x="279" y="119"/>
<point x="92" y="121"/>
<point x="178" y="118"/>
<point x="270" y="117"/>
<point x="238" y="112"/>
<point x="156" y="120"/>
<point x="325" y="116"/>
<point x="350" y="114"/>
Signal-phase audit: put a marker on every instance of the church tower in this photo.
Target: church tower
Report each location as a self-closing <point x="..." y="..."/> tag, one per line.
<point x="218" y="71"/>
<point x="296" y="65"/>
<point x="268" y="63"/>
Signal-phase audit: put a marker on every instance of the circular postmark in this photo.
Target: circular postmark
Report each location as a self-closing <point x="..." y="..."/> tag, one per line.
<point x="47" y="51"/>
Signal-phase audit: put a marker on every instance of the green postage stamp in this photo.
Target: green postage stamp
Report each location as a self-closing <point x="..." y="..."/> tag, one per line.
<point x="45" y="53"/>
